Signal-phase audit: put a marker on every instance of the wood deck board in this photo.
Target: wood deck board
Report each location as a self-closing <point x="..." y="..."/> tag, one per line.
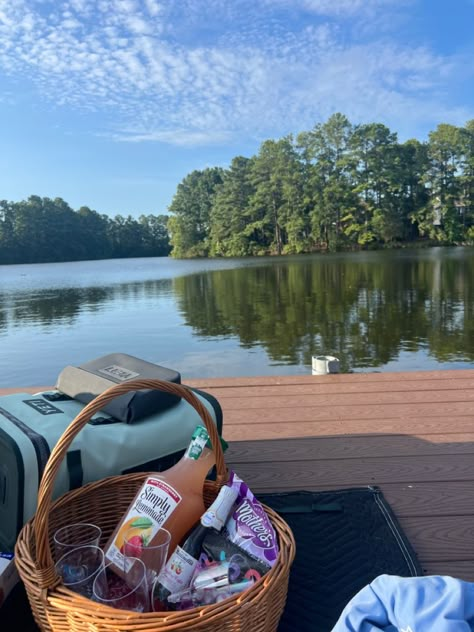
<point x="433" y="425"/>
<point x="355" y="400"/>
<point x="377" y="413"/>
<point x="410" y="376"/>
<point x="354" y="447"/>
<point x="411" y="434"/>
<point x="281" y="390"/>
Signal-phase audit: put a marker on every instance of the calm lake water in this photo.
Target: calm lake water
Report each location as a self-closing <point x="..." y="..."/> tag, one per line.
<point x="383" y="311"/>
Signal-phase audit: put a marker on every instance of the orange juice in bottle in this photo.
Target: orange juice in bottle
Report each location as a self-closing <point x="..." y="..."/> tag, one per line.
<point x="172" y="499"/>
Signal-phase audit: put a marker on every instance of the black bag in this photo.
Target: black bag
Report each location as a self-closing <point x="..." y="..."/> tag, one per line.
<point x="88" y="380"/>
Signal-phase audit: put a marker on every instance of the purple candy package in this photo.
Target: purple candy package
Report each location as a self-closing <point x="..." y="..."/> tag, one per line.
<point x="249" y="527"/>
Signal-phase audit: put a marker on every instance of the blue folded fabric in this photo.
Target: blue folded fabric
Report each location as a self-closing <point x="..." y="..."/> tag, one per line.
<point x="414" y="604"/>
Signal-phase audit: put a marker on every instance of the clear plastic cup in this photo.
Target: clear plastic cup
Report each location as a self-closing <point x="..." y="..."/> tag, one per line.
<point x="79" y="567"/>
<point x="129" y="592"/>
<point x="152" y="552"/>
<point x="74" y="535"/>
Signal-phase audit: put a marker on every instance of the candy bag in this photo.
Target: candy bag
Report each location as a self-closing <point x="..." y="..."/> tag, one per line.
<point x="249" y="527"/>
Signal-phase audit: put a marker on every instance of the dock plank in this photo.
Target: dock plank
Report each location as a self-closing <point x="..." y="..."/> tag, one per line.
<point x="353" y="447"/>
<point x="294" y="390"/>
<point x="363" y="471"/>
<point x="454" y="568"/>
<point x="378" y="413"/>
<point x="343" y="378"/>
<point x="411" y="434"/>
<point x="355" y="400"/>
<point x="345" y="427"/>
<point x="446" y="538"/>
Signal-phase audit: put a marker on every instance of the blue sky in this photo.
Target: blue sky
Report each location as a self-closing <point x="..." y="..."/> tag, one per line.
<point x="110" y="103"/>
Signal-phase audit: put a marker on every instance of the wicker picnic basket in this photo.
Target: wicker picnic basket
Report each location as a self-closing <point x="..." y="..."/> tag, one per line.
<point x="57" y="609"/>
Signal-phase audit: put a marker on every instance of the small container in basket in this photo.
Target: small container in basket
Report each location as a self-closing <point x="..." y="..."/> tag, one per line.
<point x="57" y="609"/>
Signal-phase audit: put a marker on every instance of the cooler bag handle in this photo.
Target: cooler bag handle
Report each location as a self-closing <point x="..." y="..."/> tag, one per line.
<point x="44" y="558"/>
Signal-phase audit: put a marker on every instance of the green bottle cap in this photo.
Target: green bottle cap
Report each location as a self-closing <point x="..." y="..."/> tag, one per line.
<point x="198" y="443"/>
<point x="201" y="440"/>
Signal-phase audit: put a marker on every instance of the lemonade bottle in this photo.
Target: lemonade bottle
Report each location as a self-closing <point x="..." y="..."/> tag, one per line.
<point x="172" y="499"/>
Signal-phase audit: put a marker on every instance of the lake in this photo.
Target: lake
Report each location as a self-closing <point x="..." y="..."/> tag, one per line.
<point x="376" y="311"/>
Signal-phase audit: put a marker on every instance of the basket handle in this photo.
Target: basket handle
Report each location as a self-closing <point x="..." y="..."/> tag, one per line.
<point x="44" y="559"/>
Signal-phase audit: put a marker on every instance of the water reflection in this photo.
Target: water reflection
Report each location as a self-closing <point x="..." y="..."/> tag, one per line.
<point x="365" y="311"/>
<point x="63" y="306"/>
<point x="364" y="308"/>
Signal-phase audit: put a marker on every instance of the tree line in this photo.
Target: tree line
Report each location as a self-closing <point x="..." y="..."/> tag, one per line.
<point x="336" y="186"/>
<point x="40" y="230"/>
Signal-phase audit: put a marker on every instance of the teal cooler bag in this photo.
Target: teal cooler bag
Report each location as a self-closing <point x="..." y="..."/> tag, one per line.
<point x="31" y="425"/>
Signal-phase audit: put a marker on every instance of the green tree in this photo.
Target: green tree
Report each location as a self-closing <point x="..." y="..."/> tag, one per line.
<point x="441" y="219"/>
<point x="466" y="201"/>
<point x="376" y="172"/>
<point x="8" y="244"/>
<point x="46" y="230"/>
<point x="229" y="212"/>
<point x="414" y="164"/>
<point x="127" y="235"/>
<point x="94" y="233"/>
<point x="325" y="151"/>
<point x="190" y="222"/>
<point x="39" y="230"/>
<point x="275" y="214"/>
<point x="155" y="239"/>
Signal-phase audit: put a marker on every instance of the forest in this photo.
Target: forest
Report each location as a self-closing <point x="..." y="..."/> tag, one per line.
<point x="41" y="230"/>
<point x="338" y="186"/>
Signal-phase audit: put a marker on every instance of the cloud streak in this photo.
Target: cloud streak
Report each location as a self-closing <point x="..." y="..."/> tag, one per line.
<point x="342" y="8"/>
<point x="202" y="72"/>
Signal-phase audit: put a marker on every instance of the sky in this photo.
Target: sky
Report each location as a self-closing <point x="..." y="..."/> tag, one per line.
<point x="111" y="103"/>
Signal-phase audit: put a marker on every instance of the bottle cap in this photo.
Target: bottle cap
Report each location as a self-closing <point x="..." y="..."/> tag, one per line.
<point x="198" y="442"/>
<point x="201" y="440"/>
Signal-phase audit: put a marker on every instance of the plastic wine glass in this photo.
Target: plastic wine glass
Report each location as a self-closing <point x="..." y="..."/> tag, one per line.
<point x="152" y="551"/>
<point x="72" y="536"/>
<point x="79" y="567"/>
<point x="129" y="592"/>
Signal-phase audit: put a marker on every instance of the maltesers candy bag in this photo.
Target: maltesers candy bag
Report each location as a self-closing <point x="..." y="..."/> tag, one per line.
<point x="249" y="527"/>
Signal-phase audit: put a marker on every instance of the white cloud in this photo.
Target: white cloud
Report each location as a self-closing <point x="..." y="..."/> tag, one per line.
<point x="153" y="7"/>
<point x="199" y="72"/>
<point x="180" y="137"/>
<point x="342" y="8"/>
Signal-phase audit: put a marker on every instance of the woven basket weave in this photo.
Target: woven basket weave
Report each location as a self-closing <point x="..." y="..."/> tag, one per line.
<point x="57" y="609"/>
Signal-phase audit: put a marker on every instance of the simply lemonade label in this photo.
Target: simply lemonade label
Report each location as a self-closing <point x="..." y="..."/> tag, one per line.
<point x="157" y="500"/>
<point x="151" y="508"/>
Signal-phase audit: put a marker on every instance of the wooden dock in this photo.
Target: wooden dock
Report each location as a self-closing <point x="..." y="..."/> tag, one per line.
<point x="411" y="434"/>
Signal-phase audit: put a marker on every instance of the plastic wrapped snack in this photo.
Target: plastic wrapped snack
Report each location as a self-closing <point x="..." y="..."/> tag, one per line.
<point x="249" y="527"/>
<point x="217" y="549"/>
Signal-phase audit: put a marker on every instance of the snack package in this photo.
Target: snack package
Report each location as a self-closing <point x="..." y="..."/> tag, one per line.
<point x="217" y="549"/>
<point x="193" y="597"/>
<point x="249" y="526"/>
